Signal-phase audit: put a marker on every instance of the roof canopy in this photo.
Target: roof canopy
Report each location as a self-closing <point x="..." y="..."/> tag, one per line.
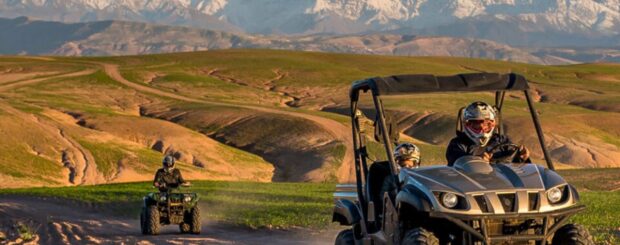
<point x="420" y="83"/>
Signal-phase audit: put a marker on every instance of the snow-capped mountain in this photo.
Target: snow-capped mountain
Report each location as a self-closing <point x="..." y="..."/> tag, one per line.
<point x="597" y="21"/>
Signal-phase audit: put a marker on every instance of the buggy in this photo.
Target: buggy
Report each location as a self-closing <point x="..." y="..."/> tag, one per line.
<point x="471" y="202"/>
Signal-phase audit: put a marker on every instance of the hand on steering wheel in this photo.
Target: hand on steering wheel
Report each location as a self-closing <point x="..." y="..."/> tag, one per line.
<point x="506" y="152"/>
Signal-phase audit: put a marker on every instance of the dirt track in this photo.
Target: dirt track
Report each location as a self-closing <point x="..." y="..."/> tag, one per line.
<point x="61" y="222"/>
<point x="13" y="85"/>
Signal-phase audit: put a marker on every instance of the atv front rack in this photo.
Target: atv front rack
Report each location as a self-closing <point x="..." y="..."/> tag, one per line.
<point x="466" y="223"/>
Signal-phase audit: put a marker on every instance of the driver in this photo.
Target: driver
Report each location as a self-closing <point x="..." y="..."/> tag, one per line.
<point x="406" y="155"/>
<point x="478" y="135"/>
<point x="168" y="176"/>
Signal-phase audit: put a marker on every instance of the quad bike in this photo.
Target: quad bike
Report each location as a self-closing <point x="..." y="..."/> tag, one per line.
<point x="170" y="206"/>
<point x="475" y="201"/>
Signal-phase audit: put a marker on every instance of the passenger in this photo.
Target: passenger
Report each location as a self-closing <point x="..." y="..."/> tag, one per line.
<point x="478" y="135"/>
<point x="168" y="176"/>
<point x="406" y="155"/>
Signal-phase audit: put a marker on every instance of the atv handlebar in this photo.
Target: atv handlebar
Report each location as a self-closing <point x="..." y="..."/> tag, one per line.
<point x="163" y="187"/>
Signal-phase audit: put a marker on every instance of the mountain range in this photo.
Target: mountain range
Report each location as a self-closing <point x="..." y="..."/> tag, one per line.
<point x="541" y="32"/>
<point x="24" y="36"/>
<point x="549" y="23"/>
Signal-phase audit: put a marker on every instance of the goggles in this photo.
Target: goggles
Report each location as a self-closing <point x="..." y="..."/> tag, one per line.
<point x="480" y="126"/>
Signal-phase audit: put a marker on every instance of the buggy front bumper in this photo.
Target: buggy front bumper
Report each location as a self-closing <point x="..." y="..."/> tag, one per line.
<point x="464" y="221"/>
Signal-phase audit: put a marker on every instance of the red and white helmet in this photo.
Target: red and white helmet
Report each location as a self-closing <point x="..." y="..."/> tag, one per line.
<point x="479" y="122"/>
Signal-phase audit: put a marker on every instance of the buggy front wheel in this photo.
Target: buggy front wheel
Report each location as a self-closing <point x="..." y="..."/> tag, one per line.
<point x="345" y="237"/>
<point x="419" y="236"/>
<point x="572" y="234"/>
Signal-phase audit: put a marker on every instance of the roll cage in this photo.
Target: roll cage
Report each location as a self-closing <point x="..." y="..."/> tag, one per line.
<point x="421" y="83"/>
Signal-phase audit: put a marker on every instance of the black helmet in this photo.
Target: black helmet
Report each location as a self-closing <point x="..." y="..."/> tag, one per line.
<point x="168" y="162"/>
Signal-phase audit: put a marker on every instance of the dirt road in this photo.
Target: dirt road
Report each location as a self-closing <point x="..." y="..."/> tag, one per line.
<point x="62" y="222"/>
<point x="17" y="84"/>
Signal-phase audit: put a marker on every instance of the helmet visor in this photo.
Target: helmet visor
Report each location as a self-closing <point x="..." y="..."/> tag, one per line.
<point x="480" y="126"/>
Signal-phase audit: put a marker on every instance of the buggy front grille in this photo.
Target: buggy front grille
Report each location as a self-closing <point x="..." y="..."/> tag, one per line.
<point x="533" y="201"/>
<point x="482" y="203"/>
<point x="509" y="202"/>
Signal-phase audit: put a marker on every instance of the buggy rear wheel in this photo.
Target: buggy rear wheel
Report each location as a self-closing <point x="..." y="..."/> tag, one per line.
<point x="572" y="234"/>
<point x="152" y="220"/>
<point x="345" y="237"/>
<point x="419" y="236"/>
<point x="194" y="221"/>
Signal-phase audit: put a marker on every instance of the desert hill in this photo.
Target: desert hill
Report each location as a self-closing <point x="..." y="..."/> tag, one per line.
<point x="264" y="115"/>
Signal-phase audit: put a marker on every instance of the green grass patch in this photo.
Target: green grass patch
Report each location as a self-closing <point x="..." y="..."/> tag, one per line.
<point x="107" y="156"/>
<point x="25" y="107"/>
<point x="149" y="160"/>
<point x="595" y="179"/>
<point x="601" y="217"/>
<point x="65" y="102"/>
<point x="18" y="162"/>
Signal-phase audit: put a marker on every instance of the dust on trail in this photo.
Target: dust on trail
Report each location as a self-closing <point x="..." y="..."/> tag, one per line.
<point x="340" y="132"/>
<point x="62" y="222"/>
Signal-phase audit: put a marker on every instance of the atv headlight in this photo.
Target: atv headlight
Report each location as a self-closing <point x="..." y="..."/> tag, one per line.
<point x="162" y="198"/>
<point x="449" y="200"/>
<point x="554" y="195"/>
<point x="187" y="199"/>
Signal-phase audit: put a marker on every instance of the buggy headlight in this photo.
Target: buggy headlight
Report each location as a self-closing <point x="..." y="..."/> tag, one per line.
<point x="187" y="199"/>
<point x="554" y="195"/>
<point x="162" y="198"/>
<point x="449" y="200"/>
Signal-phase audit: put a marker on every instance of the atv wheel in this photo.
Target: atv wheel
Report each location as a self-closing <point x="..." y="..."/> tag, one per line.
<point x="572" y="234"/>
<point x="345" y="237"/>
<point x="195" y="220"/>
<point x="143" y="221"/>
<point x="152" y="220"/>
<point x="419" y="236"/>
<point x="184" y="227"/>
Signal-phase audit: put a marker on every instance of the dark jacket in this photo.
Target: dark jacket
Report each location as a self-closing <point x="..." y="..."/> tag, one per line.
<point x="172" y="179"/>
<point x="461" y="145"/>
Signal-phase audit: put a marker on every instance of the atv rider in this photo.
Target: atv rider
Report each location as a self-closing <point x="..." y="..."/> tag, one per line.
<point x="478" y="135"/>
<point x="168" y="176"/>
<point x="406" y="155"/>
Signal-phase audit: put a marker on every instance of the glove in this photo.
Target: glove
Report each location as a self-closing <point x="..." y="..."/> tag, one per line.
<point x="524" y="153"/>
<point x="482" y="152"/>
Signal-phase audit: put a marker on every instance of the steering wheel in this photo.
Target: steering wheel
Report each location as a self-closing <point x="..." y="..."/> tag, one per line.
<point x="503" y="153"/>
